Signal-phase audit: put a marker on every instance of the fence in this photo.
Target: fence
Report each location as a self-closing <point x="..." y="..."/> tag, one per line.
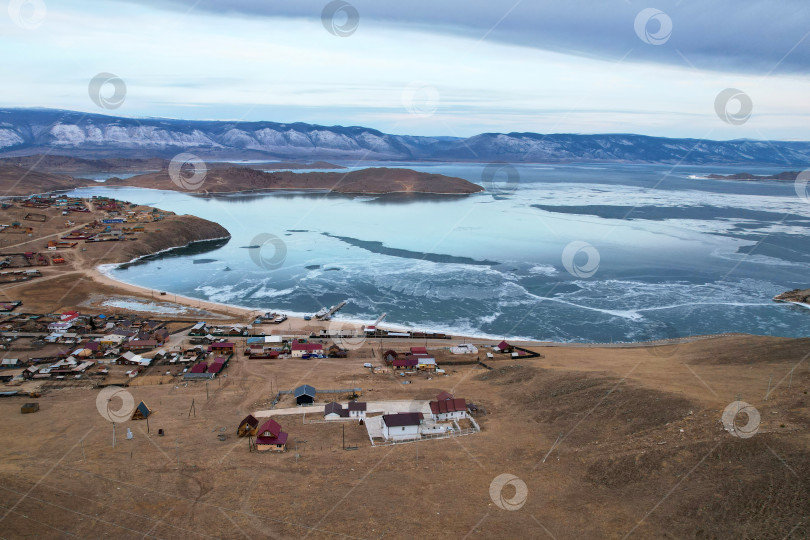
<point x="457" y="432"/>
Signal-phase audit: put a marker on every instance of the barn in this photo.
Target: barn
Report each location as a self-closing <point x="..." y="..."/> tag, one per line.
<point x="304" y="395"/>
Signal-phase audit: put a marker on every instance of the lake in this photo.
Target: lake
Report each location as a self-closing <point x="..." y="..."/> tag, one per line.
<point x="578" y="253"/>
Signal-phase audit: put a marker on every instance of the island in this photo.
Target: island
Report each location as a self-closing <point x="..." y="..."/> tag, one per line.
<point x="372" y="181"/>
<point x="787" y="176"/>
<point x="42" y="174"/>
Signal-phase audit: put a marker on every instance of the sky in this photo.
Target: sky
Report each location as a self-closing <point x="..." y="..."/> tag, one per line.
<point x="453" y="68"/>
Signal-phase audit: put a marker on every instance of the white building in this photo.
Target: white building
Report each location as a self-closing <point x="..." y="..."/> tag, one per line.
<point x="466" y="348"/>
<point x="357" y="409"/>
<point x="448" y="409"/>
<point x="401" y="426"/>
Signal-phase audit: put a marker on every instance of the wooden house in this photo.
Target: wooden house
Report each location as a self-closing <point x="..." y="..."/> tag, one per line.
<point x="248" y="426"/>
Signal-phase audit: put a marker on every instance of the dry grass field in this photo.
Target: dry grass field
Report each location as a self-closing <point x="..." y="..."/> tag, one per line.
<point x="609" y="442"/>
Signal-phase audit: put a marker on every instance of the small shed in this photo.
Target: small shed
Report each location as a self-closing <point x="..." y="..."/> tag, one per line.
<point x="29" y="408"/>
<point x="304" y="394"/>
<point x="141" y="411"/>
<point x="248" y="426"/>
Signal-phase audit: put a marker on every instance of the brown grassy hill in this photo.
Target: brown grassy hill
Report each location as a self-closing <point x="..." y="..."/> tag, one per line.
<point x="17" y="181"/>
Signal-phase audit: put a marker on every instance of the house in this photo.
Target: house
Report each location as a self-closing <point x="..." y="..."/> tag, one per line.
<point x="161" y="335"/>
<point x="270" y="437"/>
<point x="448" y="409"/>
<point x="141" y="411"/>
<point x="304" y="395"/>
<point x="10" y="363"/>
<point x="466" y="348"/>
<point x="405" y="362"/>
<point x="419" y="350"/>
<point x="334" y="411"/>
<point x="357" y="409"/>
<point x="111" y="340"/>
<point x="444" y="395"/>
<point x="140" y="345"/>
<point x="401" y="426"/>
<point x="222" y="348"/>
<point x="390" y="356"/>
<point x="298" y="350"/>
<point x="425" y="363"/>
<point x="248" y="426"/>
<point x="504" y="347"/>
<point x="129" y="358"/>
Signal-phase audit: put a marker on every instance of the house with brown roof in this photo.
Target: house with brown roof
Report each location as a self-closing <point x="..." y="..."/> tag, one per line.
<point x="402" y="426"/>
<point x="357" y="409"/>
<point x="334" y="411"/>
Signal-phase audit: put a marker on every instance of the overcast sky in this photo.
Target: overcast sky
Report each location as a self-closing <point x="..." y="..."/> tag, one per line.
<point x="448" y="67"/>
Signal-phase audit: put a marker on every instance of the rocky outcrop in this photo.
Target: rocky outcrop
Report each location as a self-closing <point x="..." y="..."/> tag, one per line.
<point x="801" y="296"/>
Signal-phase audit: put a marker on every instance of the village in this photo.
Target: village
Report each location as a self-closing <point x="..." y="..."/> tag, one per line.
<point x="82" y="352"/>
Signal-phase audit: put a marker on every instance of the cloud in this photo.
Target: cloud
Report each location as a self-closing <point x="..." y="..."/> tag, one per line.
<point x="757" y="36"/>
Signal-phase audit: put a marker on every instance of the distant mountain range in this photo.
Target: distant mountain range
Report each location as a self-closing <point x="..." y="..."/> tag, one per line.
<point x="32" y="131"/>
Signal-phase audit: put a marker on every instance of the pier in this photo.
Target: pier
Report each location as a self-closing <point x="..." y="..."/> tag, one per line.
<point x="331" y="311"/>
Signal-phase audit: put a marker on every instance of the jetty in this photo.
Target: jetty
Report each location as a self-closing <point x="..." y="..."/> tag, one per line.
<point x="326" y="314"/>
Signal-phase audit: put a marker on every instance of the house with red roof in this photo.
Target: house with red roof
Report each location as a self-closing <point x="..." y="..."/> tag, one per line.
<point x="271" y="438"/>
<point x="298" y="350"/>
<point x="405" y="362"/>
<point x="504" y="347"/>
<point x="448" y="409"/>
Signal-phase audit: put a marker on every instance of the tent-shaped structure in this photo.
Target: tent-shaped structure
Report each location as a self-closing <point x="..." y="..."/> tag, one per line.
<point x="141" y="411"/>
<point x="248" y="426"/>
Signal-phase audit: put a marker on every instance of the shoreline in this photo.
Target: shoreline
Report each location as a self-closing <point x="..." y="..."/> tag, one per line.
<point x="297" y="324"/>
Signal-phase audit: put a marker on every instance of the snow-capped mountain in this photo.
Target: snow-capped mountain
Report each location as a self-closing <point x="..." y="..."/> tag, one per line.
<point x="29" y="131"/>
